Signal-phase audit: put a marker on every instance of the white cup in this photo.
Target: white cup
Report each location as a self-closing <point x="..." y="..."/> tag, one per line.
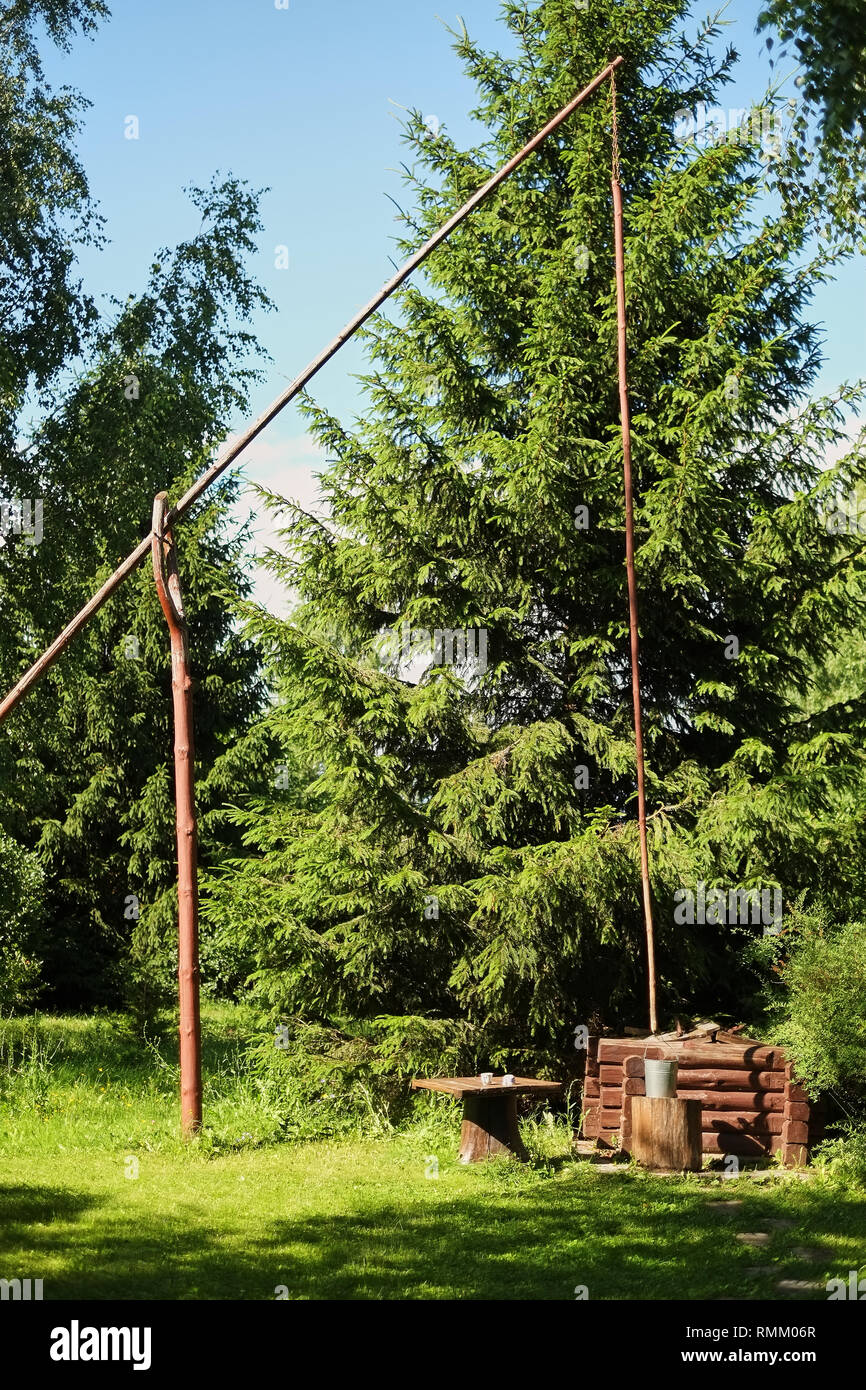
<point x="508" y="1079"/>
<point x="486" y="1078"/>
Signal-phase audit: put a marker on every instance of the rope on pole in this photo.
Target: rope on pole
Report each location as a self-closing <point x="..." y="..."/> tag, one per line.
<point x="625" y="416"/>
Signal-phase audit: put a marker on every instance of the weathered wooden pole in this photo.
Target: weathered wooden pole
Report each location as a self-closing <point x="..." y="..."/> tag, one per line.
<point x="625" y="416"/>
<point x="165" y="572"/>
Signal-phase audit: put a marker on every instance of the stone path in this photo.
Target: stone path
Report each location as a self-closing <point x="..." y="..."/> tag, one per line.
<point x="811" y="1254"/>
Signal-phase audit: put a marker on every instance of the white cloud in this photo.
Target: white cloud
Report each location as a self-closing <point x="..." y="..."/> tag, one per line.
<point x="287" y="467"/>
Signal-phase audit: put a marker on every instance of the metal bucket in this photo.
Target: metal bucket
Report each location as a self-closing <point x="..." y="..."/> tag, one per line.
<point x="661" y="1077"/>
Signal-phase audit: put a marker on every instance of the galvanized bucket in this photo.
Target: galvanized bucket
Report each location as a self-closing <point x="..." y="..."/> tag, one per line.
<point x="661" y="1077"/>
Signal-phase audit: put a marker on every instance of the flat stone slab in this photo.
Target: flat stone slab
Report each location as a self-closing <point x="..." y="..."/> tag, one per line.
<point x="585" y="1150"/>
<point x="808" y="1252"/>
<point x="798" y="1285"/>
<point x="780" y="1223"/>
<point x="733" y="1205"/>
<point x="754" y="1237"/>
<point x="704" y="1177"/>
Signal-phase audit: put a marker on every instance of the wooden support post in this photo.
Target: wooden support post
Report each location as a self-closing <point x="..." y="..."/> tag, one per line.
<point x="167" y="578"/>
<point x="634" y="640"/>
<point x="490" y="1127"/>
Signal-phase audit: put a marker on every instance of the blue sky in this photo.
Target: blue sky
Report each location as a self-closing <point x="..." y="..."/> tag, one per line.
<point x="305" y="100"/>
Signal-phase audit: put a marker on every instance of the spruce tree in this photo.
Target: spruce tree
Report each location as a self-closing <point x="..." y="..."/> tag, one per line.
<point x="459" y="856"/>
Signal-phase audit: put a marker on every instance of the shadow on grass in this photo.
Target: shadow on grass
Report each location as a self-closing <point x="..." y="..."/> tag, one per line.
<point x="22" y="1208"/>
<point x="621" y="1236"/>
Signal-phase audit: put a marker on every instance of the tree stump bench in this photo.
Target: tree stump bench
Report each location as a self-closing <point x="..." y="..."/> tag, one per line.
<point x="666" y="1133"/>
<point x="489" y="1112"/>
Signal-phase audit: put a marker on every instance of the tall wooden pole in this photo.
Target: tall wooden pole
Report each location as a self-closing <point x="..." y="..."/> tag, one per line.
<point x="165" y="572"/>
<point x="625" y="417"/>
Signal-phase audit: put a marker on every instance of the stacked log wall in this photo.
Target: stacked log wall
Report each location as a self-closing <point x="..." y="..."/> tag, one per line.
<point x="751" y="1105"/>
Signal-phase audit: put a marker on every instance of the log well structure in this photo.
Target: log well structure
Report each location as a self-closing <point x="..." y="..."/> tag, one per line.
<point x="751" y="1106"/>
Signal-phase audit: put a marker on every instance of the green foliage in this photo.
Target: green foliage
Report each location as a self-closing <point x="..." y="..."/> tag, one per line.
<point x="225" y="963"/>
<point x="829" y="37"/>
<point x="324" y="1082"/>
<point x="438" y="855"/>
<point x="351" y="1076"/>
<point x="62" y="18"/>
<point x="103" y="820"/>
<point x="822" y="1020"/>
<point x="843" y="1159"/>
<point x="826" y="151"/>
<point x="21" y="891"/>
<point x="45" y="212"/>
<point x="129" y="404"/>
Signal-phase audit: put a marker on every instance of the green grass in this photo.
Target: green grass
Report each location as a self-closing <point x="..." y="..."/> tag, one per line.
<point x="91" y="1084"/>
<point x="236" y="1215"/>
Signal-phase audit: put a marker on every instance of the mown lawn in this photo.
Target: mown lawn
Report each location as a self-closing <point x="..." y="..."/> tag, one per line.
<point x="365" y="1218"/>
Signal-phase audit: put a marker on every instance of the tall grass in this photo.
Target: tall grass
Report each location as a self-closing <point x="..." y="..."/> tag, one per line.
<point x="91" y="1084"/>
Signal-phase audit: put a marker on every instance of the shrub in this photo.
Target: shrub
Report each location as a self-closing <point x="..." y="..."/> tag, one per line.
<point x="844" y="1157"/>
<point x="350" y="1076"/>
<point x="822" y="1018"/>
<point x="21" y="886"/>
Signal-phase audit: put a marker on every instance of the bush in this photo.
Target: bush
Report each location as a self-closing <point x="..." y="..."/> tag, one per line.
<point x="225" y="962"/>
<point x="822" y="1020"/>
<point x="350" y="1076"/>
<point x="844" y="1157"/>
<point x="21" y="888"/>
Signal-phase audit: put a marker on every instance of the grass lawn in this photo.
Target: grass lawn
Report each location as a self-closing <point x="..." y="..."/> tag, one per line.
<point x="363" y="1217"/>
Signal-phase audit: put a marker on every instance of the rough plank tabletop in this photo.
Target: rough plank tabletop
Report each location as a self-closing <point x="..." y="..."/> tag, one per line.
<point x="472" y="1085"/>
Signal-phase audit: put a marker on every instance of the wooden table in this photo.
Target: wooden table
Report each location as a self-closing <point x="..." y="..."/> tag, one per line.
<point x="489" y="1112"/>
